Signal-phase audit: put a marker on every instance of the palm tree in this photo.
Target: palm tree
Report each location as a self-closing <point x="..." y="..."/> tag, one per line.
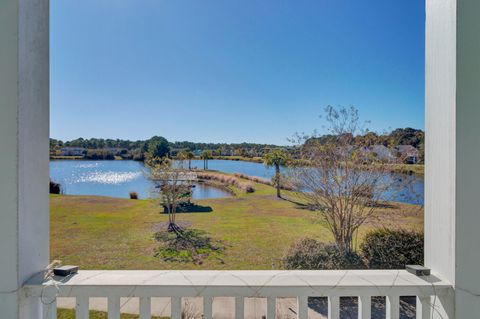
<point x="182" y="156"/>
<point x="276" y="158"/>
<point x="190" y="156"/>
<point x="206" y="155"/>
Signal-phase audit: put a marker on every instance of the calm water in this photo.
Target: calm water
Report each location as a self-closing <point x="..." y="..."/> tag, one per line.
<point x="113" y="178"/>
<point x="413" y="193"/>
<point x="118" y="178"/>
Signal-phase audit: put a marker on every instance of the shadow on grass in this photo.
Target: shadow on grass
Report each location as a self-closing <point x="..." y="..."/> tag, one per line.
<point x="188" y="246"/>
<point x="379" y="204"/>
<point x="299" y="205"/>
<point x="190" y="208"/>
<point x="197" y="209"/>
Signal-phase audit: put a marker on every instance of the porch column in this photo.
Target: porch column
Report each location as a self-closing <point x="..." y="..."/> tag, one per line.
<point x="24" y="125"/>
<point x="452" y="194"/>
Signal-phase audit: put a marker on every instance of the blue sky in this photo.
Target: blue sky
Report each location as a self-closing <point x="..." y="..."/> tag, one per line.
<point x="232" y="71"/>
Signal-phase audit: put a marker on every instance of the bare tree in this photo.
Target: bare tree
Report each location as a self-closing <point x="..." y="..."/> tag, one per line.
<point x="344" y="181"/>
<point x="174" y="185"/>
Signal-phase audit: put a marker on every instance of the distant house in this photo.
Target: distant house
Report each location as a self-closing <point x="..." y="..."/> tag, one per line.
<point x="382" y="152"/>
<point x="407" y="153"/>
<point x="226" y="152"/>
<point x="72" y="151"/>
<point x="379" y="152"/>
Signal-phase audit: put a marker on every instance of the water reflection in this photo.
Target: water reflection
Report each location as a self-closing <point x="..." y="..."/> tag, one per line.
<point x="118" y="178"/>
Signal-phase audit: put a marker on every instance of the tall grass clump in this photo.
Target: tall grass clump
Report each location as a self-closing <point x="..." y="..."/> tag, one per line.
<point x="247" y="187"/>
<point x="285" y="185"/>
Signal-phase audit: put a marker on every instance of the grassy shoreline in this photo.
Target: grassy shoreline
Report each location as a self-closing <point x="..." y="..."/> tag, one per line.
<point x="239" y="159"/>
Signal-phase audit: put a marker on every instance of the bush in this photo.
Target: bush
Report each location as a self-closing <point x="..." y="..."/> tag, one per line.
<point x="392" y="249"/>
<point x="133" y="195"/>
<point x="55" y="188"/>
<point x="308" y="253"/>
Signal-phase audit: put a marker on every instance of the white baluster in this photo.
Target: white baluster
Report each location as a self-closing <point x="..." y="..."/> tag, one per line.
<point x="271" y="307"/>
<point x="393" y="307"/>
<point x="302" y="307"/>
<point x="81" y="309"/>
<point x="145" y="308"/>
<point x="239" y="308"/>
<point x="364" y="307"/>
<point x="113" y="307"/>
<point x="50" y="310"/>
<point x="207" y="307"/>
<point x="176" y="307"/>
<point x="424" y="307"/>
<point x="333" y="307"/>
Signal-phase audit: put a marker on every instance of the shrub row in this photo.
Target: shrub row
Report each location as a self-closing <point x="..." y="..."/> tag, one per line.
<point x="381" y="249"/>
<point x="99" y="154"/>
<point x="228" y="180"/>
<point x="308" y="253"/>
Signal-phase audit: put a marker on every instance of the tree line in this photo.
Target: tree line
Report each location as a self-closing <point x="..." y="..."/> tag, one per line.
<point x="399" y="136"/>
<point x="159" y="146"/>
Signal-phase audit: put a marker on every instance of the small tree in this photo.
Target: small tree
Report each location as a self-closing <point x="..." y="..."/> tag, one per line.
<point x="276" y="158"/>
<point x="174" y="184"/>
<point x="158" y="146"/>
<point x="342" y="180"/>
<point x="206" y="155"/>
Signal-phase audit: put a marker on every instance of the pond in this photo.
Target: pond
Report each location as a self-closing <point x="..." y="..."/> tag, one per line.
<point x="405" y="188"/>
<point x="118" y="178"/>
<point x="114" y="178"/>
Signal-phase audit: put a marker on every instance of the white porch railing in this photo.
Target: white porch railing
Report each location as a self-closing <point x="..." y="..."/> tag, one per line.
<point x="363" y="284"/>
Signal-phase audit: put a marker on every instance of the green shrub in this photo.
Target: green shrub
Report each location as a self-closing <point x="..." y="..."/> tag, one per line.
<point x="392" y="249"/>
<point x="308" y="253"/>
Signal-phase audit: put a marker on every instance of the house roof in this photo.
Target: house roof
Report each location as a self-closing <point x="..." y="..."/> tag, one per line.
<point x="408" y="150"/>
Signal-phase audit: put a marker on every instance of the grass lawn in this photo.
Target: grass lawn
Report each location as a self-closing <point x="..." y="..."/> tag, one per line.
<point x="70" y="314"/>
<point x="110" y="233"/>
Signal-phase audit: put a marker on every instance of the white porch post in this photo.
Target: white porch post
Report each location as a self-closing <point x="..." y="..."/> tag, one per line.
<point x="24" y="124"/>
<point x="452" y="211"/>
<point x="467" y="275"/>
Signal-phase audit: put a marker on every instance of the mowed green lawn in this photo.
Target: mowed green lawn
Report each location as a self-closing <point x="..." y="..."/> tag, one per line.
<point x="109" y="233"/>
